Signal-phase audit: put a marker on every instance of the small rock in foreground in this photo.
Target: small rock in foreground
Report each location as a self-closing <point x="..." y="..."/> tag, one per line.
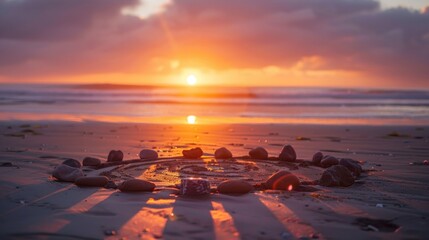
<point x="223" y="153"/>
<point x="72" y="163"/>
<point x="115" y="156"/>
<point x="337" y="176"/>
<point x="65" y="173"/>
<point x="353" y="166"/>
<point x="136" y="185"/>
<point x="91" y="162"/>
<point x="287" y="154"/>
<point x="193" y="153"/>
<point x="317" y="157"/>
<point x="194" y="187"/>
<point x="234" y="187"/>
<point x="282" y="180"/>
<point x="258" y="153"/>
<point x="148" y="154"/>
<point x="328" y="161"/>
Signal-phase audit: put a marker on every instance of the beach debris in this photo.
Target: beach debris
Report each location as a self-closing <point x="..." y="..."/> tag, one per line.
<point x="336" y="176"/>
<point x="300" y="138"/>
<point x="258" y="153"/>
<point x="378" y="225"/>
<point x="396" y="134"/>
<point x="194" y="187"/>
<point x="115" y="156"/>
<point x="328" y="161"/>
<point x="65" y="173"/>
<point x="282" y="180"/>
<point x="234" y="187"/>
<point x="72" y="163"/>
<point x="148" y="154"/>
<point x="317" y="157"/>
<point x="109" y="232"/>
<point x="193" y="153"/>
<point x="99" y="181"/>
<point x="352" y="165"/>
<point x="287" y="154"/>
<point x="379" y="205"/>
<point x="222" y="153"/>
<point x="425" y="162"/>
<point x="6" y="164"/>
<point x="136" y="185"/>
<point x="91" y="162"/>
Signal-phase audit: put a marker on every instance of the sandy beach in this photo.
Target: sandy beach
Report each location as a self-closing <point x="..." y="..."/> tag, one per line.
<point x="389" y="201"/>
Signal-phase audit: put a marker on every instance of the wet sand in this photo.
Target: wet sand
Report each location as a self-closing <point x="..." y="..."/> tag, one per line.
<point x="390" y="200"/>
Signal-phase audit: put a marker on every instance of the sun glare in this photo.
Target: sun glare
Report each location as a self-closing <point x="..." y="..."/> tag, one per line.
<point x="191" y="119"/>
<point x="191" y="80"/>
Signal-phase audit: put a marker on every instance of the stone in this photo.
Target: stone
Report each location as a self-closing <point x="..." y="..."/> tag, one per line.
<point x="136" y="185"/>
<point x="234" y="187"/>
<point x="91" y="162"/>
<point x="258" y="153"/>
<point x="328" y="161"/>
<point x="287" y="154"/>
<point x="99" y="181"/>
<point x="193" y="153"/>
<point x="336" y="176"/>
<point x="65" y="173"/>
<point x="148" y="154"/>
<point x="72" y="163"/>
<point x="317" y="158"/>
<point x="194" y="187"/>
<point x="115" y="156"/>
<point x="352" y="165"/>
<point x="111" y="185"/>
<point x="223" y="153"/>
<point x="282" y="180"/>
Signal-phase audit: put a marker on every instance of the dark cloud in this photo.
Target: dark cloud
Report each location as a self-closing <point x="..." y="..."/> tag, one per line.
<point x="54" y="19"/>
<point x="40" y="37"/>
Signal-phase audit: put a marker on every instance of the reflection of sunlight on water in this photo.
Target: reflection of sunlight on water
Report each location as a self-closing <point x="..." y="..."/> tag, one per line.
<point x="191" y="119"/>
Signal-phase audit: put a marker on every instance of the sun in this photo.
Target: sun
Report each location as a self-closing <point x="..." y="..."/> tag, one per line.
<point x="191" y="119"/>
<point x="191" y="80"/>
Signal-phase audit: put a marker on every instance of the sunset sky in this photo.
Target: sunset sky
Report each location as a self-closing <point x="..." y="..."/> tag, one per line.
<point x="340" y="43"/>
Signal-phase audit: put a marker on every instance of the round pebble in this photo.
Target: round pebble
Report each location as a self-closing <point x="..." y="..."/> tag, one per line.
<point x="258" y="153"/>
<point x="287" y="154"/>
<point x="72" y="163"/>
<point x="352" y="165"/>
<point x="136" y="185"/>
<point x="193" y="153"/>
<point x="223" y="153"/>
<point x="336" y="176"/>
<point x="99" y="181"/>
<point x="65" y="173"/>
<point x="317" y="157"/>
<point x="234" y="187"/>
<point x="115" y="156"/>
<point x="147" y="154"/>
<point x="282" y="180"/>
<point x="328" y="161"/>
<point x="91" y="162"/>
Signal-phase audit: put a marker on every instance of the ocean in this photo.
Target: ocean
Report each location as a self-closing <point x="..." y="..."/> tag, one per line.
<point x="212" y="104"/>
